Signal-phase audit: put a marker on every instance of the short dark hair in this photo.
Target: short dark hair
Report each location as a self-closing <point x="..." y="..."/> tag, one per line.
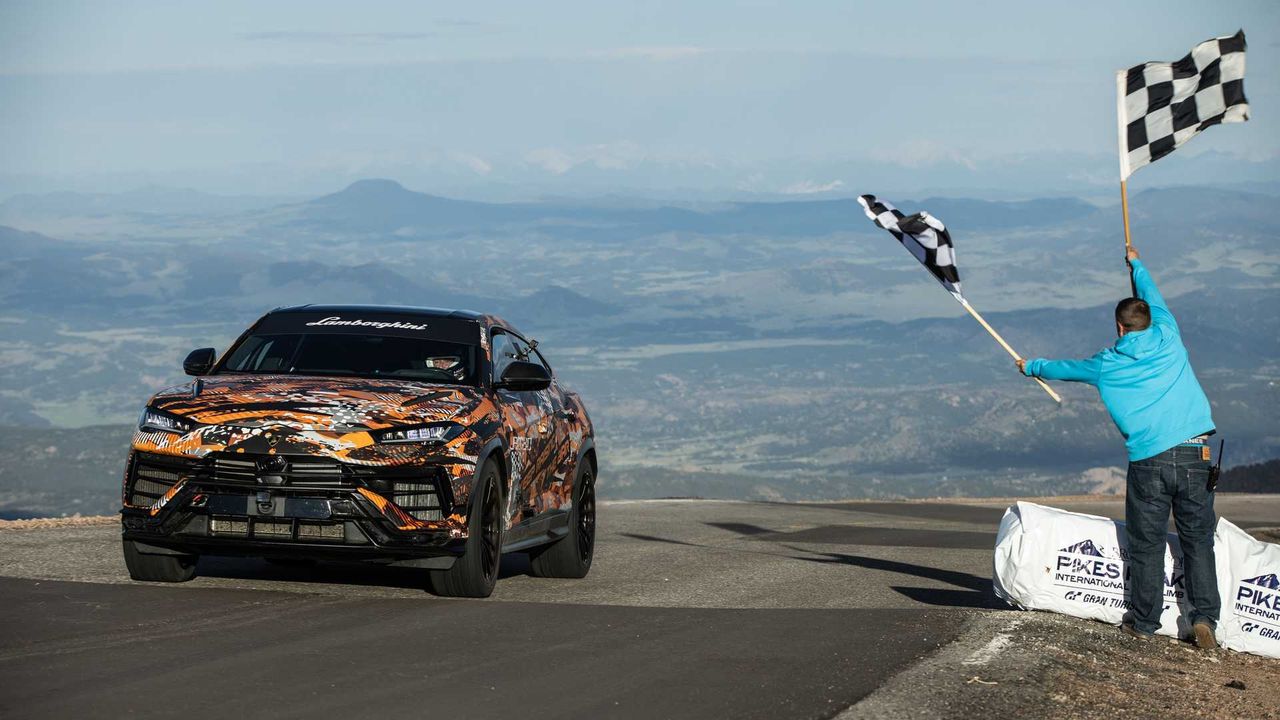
<point x="1133" y="314"/>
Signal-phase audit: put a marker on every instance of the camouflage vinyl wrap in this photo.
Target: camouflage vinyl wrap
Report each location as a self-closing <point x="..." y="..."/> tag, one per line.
<point x="336" y="418"/>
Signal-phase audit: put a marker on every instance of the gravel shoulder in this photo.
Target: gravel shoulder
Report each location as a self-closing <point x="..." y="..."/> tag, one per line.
<point x="1053" y="666"/>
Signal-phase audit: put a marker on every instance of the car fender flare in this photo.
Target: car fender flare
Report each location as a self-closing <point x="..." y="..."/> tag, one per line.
<point x="588" y="445"/>
<point x="495" y="446"/>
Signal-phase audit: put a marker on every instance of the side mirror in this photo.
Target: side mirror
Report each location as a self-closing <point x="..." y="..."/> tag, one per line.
<point x="200" y="362"/>
<point x="522" y="376"/>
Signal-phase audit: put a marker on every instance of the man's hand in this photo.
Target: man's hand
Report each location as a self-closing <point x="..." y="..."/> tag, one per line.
<point x="1022" y="366"/>
<point x="1131" y="253"/>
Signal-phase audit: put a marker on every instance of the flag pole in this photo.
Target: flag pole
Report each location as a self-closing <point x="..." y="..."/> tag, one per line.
<point x="1005" y="345"/>
<point x="1125" y="170"/>
<point x="1124" y="209"/>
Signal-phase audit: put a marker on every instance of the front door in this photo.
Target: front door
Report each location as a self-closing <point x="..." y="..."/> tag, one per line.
<point x="530" y="420"/>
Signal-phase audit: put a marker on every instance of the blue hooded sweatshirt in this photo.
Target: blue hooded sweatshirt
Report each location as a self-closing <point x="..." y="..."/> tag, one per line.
<point x="1145" y="380"/>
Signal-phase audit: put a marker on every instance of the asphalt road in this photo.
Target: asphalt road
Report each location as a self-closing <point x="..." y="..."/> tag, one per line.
<point x="694" y="609"/>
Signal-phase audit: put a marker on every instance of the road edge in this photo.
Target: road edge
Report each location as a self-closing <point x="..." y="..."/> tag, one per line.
<point x="986" y="667"/>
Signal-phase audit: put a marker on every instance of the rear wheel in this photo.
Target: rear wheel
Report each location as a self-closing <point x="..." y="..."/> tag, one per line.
<point x="475" y="573"/>
<point x="158" y="568"/>
<point x="570" y="556"/>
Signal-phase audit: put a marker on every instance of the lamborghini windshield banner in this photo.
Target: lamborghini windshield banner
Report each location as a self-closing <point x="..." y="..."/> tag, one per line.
<point x="374" y="322"/>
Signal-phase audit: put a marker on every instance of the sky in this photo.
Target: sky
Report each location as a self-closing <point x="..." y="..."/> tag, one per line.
<point x="519" y="100"/>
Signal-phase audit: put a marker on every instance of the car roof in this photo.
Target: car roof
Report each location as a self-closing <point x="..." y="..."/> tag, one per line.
<point x="417" y="311"/>
<point x="397" y="309"/>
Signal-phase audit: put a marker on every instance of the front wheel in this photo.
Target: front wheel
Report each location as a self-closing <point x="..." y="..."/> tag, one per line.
<point x="158" y="568"/>
<point x="570" y="556"/>
<point x="475" y="573"/>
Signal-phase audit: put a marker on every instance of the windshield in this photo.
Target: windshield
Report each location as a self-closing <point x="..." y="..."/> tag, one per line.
<point x="356" y="355"/>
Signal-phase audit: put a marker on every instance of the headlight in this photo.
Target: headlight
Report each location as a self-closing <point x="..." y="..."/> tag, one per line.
<point x="433" y="433"/>
<point x="153" y="419"/>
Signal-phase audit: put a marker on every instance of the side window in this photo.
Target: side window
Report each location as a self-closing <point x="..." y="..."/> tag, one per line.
<point x="536" y="356"/>
<point x="503" y="352"/>
<point x="508" y="348"/>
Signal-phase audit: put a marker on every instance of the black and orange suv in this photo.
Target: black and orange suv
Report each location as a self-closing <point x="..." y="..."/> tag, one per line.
<point x="428" y="438"/>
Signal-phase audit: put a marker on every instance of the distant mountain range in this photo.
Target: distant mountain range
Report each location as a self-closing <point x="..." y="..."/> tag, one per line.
<point x="386" y="206"/>
<point x="730" y="349"/>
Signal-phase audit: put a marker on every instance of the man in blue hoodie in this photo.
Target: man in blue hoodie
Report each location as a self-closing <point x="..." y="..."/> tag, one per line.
<point x="1147" y="384"/>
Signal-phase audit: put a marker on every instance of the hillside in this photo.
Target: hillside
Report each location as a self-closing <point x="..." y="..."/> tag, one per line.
<point x="776" y="350"/>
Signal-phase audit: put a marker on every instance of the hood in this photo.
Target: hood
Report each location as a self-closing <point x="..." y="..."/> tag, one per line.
<point x="325" y="404"/>
<point x="1140" y="344"/>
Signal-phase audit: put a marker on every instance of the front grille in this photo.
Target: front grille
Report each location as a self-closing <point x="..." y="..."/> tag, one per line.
<point x="151" y="476"/>
<point x="298" y="471"/>
<point x="422" y="492"/>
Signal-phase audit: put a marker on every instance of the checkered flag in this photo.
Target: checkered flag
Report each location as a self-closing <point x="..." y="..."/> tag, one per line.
<point x="924" y="235"/>
<point x="1163" y="105"/>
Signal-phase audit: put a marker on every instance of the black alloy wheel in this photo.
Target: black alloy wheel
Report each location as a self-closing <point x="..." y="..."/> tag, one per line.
<point x="587" y="518"/>
<point x="491" y="532"/>
<point x="571" y="555"/>
<point x="476" y="572"/>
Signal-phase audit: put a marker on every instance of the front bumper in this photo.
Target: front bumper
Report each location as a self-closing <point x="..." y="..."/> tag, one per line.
<point x="309" y="507"/>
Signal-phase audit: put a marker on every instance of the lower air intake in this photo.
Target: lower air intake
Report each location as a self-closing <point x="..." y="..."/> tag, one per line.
<point x="316" y="531"/>
<point x="150" y="481"/>
<point x="419" y="499"/>
<point x="229" y="526"/>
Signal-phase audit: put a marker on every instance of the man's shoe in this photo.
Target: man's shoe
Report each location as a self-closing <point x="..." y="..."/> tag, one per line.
<point x="1204" y="638"/>
<point x="1131" y="631"/>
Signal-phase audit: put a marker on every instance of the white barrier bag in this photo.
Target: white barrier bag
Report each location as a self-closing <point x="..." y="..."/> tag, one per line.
<point x="1072" y="563"/>
<point x="1249" y="582"/>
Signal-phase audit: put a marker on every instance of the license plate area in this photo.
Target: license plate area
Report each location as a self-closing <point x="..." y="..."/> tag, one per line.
<point x="280" y="506"/>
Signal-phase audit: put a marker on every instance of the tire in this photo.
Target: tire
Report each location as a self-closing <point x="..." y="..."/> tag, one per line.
<point x="158" y="568"/>
<point x="571" y="555"/>
<point x="475" y="573"/>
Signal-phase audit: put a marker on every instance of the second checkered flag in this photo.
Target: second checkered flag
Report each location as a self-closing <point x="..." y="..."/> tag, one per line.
<point x="1164" y="104"/>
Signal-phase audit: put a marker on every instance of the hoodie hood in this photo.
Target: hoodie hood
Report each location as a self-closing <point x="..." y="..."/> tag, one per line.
<point x="1140" y="344"/>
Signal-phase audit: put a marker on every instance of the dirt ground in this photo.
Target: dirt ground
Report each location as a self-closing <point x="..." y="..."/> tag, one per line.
<point x="1095" y="671"/>
<point x="40" y="523"/>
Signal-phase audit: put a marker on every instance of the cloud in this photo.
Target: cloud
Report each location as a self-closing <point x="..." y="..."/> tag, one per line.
<point x="476" y="164"/>
<point x="920" y="153"/>
<point x="611" y="156"/>
<point x="553" y="160"/>
<point x="344" y="38"/>
<point x="809" y="187"/>
<point x="655" y="53"/>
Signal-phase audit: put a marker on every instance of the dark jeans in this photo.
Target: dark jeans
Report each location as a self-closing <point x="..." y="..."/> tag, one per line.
<point x="1176" y="478"/>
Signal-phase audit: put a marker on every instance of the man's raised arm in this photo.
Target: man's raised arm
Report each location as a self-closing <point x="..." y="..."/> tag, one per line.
<point x="1145" y="288"/>
<point x="1085" y="371"/>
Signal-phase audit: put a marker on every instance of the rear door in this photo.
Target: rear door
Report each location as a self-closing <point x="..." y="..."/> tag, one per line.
<point x="560" y="456"/>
